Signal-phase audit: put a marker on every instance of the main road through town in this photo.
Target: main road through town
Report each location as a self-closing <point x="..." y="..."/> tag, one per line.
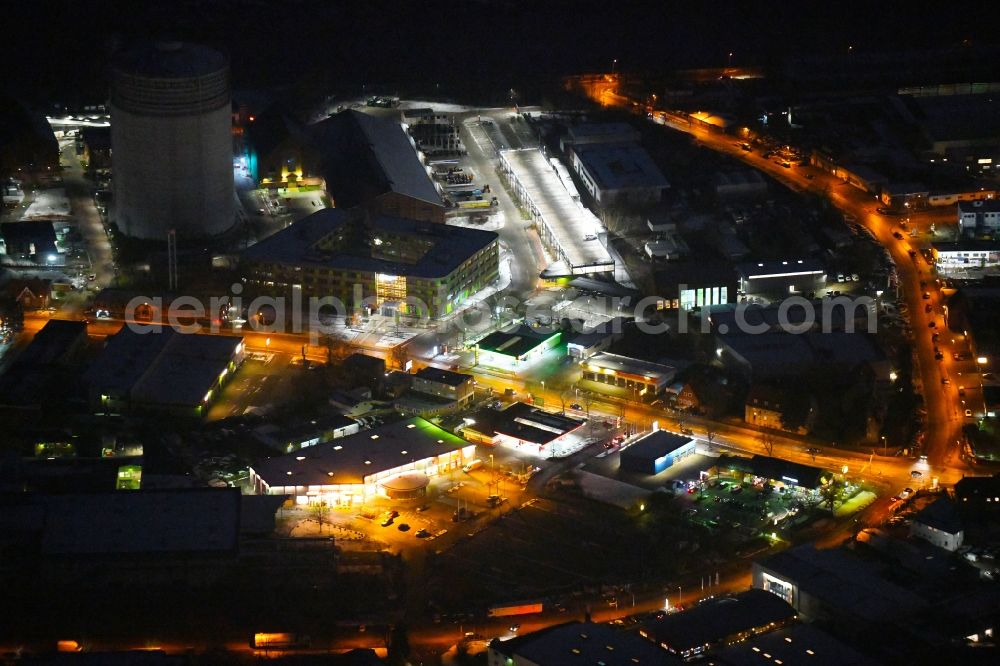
<point x="944" y="420"/>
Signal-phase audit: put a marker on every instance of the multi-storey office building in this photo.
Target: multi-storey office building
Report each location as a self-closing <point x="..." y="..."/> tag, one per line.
<point x="384" y="264"/>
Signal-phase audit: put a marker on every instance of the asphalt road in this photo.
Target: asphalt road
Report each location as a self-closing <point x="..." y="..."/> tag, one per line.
<point x="482" y="143"/>
<point x="944" y="420"/>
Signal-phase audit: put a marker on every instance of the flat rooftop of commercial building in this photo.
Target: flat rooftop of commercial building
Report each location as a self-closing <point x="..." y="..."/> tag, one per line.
<point x="514" y="343"/>
<point x="776" y="469"/>
<point x="712" y="118"/>
<point x="162" y="366"/>
<point x="588" y="130"/>
<point x="525" y="422"/>
<point x="694" y="274"/>
<point x="52" y="342"/>
<point x="634" y="366"/>
<point x="348" y="460"/>
<point x="312" y="241"/>
<point x="442" y="376"/>
<point x="365" y="156"/>
<point x="620" y="166"/>
<point x="967" y="245"/>
<point x="843" y="581"/>
<point x="986" y="206"/>
<point x="422" y="112"/>
<point x="941" y="514"/>
<point x="958" y="117"/>
<point x="797" y="644"/>
<point x="716" y="619"/>
<point x="737" y="178"/>
<point x="736" y="318"/>
<point x="905" y="188"/>
<point x="202" y="520"/>
<point x="584" y="643"/>
<point x="976" y="487"/>
<point x="655" y="445"/>
<point x="772" y="353"/>
<point x="758" y="270"/>
<point x="568" y="221"/>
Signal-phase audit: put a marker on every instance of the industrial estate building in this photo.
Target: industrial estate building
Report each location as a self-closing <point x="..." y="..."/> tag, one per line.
<point x="967" y="259"/>
<point x="521" y="426"/>
<point x="510" y="350"/>
<point x="162" y="370"/>
<point x="694" y="284"/>
<point x="939" y="523"/>
<point x="396" y="460"/>
<point x="566" y="227"/>
<point x="718" y="622"/>
<point x="979" y="217"/>
<point x="638" y="379"/>
<point x="904" y="587"/>
<point x="171" y="141"/>
<point x="577" y="642"/>
<point x="656" y="451"/>
<point x="372" y="162"/>
<point x="357" y="158"/>
<point x="454" y="389"/>
<point x="616" y="174"/>
<point x="433" y="392"/>
<point x="379" y="263"/>
<point x="595" y="133"/>
<point x="777" y="472"/>
<point x="781" y="278"/>
<point x="43" y="374"/>
<point x="961" y="128"/>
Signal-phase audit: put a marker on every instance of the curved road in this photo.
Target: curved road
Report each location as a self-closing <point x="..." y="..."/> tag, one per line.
<point x="941" y="401"/>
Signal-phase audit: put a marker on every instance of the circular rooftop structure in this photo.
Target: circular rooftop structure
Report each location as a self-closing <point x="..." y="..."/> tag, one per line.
<point x="409" y="485"/>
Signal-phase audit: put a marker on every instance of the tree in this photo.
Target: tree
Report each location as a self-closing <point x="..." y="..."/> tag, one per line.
<point x="399" y="645"/>
<point x="337" y="349"/>
<point x="319" y="511"/>
<point x="767" y="441"/>
<point x="830" y="492"/>
<point x="564" y="397"/>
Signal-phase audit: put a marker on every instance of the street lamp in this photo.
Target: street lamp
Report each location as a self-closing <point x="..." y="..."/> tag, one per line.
<point x="885" y="450"/>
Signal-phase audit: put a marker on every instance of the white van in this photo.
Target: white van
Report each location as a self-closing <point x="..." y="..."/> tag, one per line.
<point x="473" y="464"/>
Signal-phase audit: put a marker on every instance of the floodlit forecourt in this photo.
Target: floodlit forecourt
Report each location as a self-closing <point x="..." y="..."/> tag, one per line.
<point x="385" y="264"/>
<point x="396" y="461"/>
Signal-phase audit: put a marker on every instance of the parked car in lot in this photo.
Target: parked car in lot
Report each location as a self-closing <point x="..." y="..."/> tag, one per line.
<point x="389" y="517"/>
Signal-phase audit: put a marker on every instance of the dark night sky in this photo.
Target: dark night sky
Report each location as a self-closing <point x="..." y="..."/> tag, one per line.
<point x="52" y="49"/>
